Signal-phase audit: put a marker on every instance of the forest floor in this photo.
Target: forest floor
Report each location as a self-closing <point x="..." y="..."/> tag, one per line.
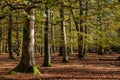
<point x="92" y="67"/>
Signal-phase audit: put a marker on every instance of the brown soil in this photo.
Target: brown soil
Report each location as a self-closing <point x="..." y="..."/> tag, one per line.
<point x="93" y="67"/>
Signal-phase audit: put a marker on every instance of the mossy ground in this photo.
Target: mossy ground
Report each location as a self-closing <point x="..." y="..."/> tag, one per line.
<point x="47" y="64"/>
<point x="23" y="69"/>
<point x="65" y="60"/>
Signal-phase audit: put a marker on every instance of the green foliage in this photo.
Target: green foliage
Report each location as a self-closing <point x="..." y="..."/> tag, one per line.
<point x="12" y="72"/>
<point x="25" y="2"/>
<point x="110" y="18"/>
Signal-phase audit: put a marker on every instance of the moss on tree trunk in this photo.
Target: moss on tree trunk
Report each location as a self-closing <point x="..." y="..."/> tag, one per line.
<point x="46" y="64"/>
<point x="23" y="69"/>
<point x="47" y="55"/>
<point x="27" y="63"/>
<point x="65" y="60"/>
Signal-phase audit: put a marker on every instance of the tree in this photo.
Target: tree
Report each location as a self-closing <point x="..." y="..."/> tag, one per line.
<point x="63" y="35"/>
<point x="27" y="63"/>
<point x="81" y="30"/>
<point x="0" y="38"/>
<point x="9" y="40"/>
<point x="47" y="58"/>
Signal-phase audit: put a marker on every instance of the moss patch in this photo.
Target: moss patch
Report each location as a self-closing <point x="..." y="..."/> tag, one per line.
<point x="12" y="72"/>
<point x="23" y="69"/>
<point x="47" y="64"/>
<point x="65" y="60"/>
<point x="35" y="70"/>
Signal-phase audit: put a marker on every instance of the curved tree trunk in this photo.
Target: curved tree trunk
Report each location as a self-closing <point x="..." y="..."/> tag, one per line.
<point x="27" y="63"/>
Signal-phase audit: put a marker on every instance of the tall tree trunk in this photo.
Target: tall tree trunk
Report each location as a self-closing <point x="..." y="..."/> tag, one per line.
<point x="100" y="49"/>
<point x="0" y="40"/>
<point x="27" y="63"/>
<point x="63" y="35"/>
<point x="47" y="58"/>
<point x="53" y="38"/>
<point x="36" y="36"/>
<point x="9" y="40"/>
<point x="18" y="42"/>
<point x="86" y="27"/>
<point x="42" y="38"/>
<point x="70" y="31"/>
<point x="60" y="50"/>
<point x="80" y="34"/>
<point x="75" y="21"/>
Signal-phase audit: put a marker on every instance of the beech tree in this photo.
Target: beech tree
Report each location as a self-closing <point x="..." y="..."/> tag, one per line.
<point x="81" y="30"/>
<point x="47" y="58"/>
<point x="63" y="35"/>
<point x="0" y="38"/>
<point x="27" y="62"/>
<point x="9" y="40"/>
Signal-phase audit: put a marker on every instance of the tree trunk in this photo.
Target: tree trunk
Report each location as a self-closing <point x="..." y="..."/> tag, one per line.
<point x="53" y="38"/>
<point x="101" y="50"/>
<point x="0" y="40"/>
<point x="9" y="40"/>
<point x="42" y="38"/>
<point x="47" y="58"/>
<point x="80" y="36"/>
<point x="63" y="35"/>
<point x="70" y="29"/>
<point x="27" y="63"/>
<point x="18" y="42"/>
<point x="86" y="27"/>
<point x="60" y="50"/>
